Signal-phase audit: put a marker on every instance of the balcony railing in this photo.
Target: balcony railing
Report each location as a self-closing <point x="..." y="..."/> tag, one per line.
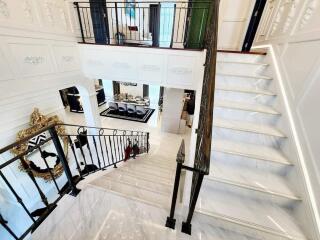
<point x="142" y="23"/>
<point x="52" y="161"/>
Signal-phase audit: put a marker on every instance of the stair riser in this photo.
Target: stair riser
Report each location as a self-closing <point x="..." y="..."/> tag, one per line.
<point x="244" y="97"/>
<point x="166" y="189"/>
<point x="241" y="115"/>
<point x="247" y="137"/>
<point x="249" y="163"/>
<point x="131" y="191"/>
<point x="243" y="82"/>
<point x="151" y="168"/>
<point x="209" y="188"/>
<point x="150" y="176"/>
<point x="240" y="69"/>
<point x="238" y="228"/>
<point x="149" y="171"/>
<point x="235" y="57"/>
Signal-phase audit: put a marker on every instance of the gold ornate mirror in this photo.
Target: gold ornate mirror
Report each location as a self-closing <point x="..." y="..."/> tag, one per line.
<point x="34" y="159"/>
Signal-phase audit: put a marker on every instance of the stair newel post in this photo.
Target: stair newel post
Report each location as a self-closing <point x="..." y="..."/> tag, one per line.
<point x="4" y="224"/>
<point x="64" y="162"/>
<point x="171" y="221"/>
<point x="148" y="142"/>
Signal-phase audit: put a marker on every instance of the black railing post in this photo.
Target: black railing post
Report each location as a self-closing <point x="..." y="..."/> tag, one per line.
<point x="117" y="23"/>
<point x="173" y="24"/>
<point x="148" y="146"/>
<point x="171" y="221"/>
<point x="186" y="226"/>
<point x="80" y="22"/>
<point x="4" y="223"/>
<point x="64" y="162"/>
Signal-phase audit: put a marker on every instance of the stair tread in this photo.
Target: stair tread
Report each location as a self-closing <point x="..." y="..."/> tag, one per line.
<point x="245" y="62"/>
<point x="250" y="150"/>
<point x="254" y="212"/>
<point x="246" y="107"/>
<point x="245" y="75"/>
<point x="245" y="90"/>
<point x="248" y="127"/>
<point x="256" y="180"/>
<point x="263" y="216"/>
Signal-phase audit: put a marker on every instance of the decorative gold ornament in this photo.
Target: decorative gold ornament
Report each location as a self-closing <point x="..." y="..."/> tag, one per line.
<point x="39" y="121"/>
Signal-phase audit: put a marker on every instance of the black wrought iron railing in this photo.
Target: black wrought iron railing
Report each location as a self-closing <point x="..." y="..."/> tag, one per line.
<point x="170" y="24"/>
<point x="204" y="131"/>
<point x="52" y="161"/>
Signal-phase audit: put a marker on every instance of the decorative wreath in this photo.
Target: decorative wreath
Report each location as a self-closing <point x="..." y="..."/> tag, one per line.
<point x="39" y="121"/>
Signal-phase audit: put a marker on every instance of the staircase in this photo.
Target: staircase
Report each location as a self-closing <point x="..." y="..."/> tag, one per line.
<point x="248" y="189"/>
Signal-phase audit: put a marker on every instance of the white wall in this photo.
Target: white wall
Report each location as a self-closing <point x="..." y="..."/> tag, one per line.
<point x="166" y="67"/>
<point x="234" y="17"/>
<point x="38" y="56"/>
<point x="291" y="30"/>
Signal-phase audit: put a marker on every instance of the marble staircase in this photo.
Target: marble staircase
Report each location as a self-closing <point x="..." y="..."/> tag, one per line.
<point x="248" y="189"/>
<point x="248" y="194"/>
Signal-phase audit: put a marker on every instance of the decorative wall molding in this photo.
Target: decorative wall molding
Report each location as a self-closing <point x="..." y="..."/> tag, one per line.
<point x="34" y="60"/>
<point x="4" y="9"/>
<point x="151" y="68"/>
<point x="290" y="17"/>
<point x="67" y="58"/>
<point x="180" y="70"/>
<point x="27" y="9"/>
<point x="308" y="13"/>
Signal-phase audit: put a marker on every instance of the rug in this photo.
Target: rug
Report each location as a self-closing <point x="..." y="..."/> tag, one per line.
<point x="130" y="117"/>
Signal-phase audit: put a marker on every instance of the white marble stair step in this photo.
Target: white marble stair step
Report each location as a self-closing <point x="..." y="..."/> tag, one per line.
<point x="244" y="62"/>
<point x="242" y="82"/>
<point x="240" y="131"/>
<point x="243" y="75"/>
<point x="244" y="209"/>
<point x="147" y="176"/>
<point x="253" y="179"/>
<point x="255" y="91"/>
<point x="239" y="57"/>
<point x="140" y="182"/>
<point x="158" y="198"/>
<point x="142" y="169"/>
<point x="241" y="68"/>
<point x="250" y="151"/>
<point x="259" y="108"/>
<point x="152" y="167"/>
<point x="167" y="167"/>
<point x="248" y="127"/>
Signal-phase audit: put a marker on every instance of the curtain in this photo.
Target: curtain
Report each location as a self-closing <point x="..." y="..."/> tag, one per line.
<point x="99" y="23"/>
<point x="116" y="87"/>
<point x="145" y="90"/>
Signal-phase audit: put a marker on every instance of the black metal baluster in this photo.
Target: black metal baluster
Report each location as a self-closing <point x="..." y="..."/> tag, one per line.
<point x="90" y="153"/>
<point x="143" y="23"/>
<point x="26" y="166"/>
<point x="186" y="226"/>
<point x="18" y="198"/>
<point x="100" y="133"/>
<point x="75" y="157"/>
<point x="117" y="23"/>
<point x="118" y="145"/>
<point x="171" y="221"/>
<point x="148" y="142"/>
<point x="80" y="22"/>
<point x="83" y="155"/>
<point x="63" y="160"/>
<point x="95" y="146"/>
<point x="105" y="143"/>
<point x="173" y="24"/>
<point x="113" y="162"/>
<point x="47" y="165"/>
<point x="4" y="223"/>
<point x="178" y="25"/>
<point x="114" y="145"/>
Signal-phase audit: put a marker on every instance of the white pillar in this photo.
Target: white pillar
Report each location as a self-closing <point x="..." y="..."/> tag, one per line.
<point x="172" y="109"/>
